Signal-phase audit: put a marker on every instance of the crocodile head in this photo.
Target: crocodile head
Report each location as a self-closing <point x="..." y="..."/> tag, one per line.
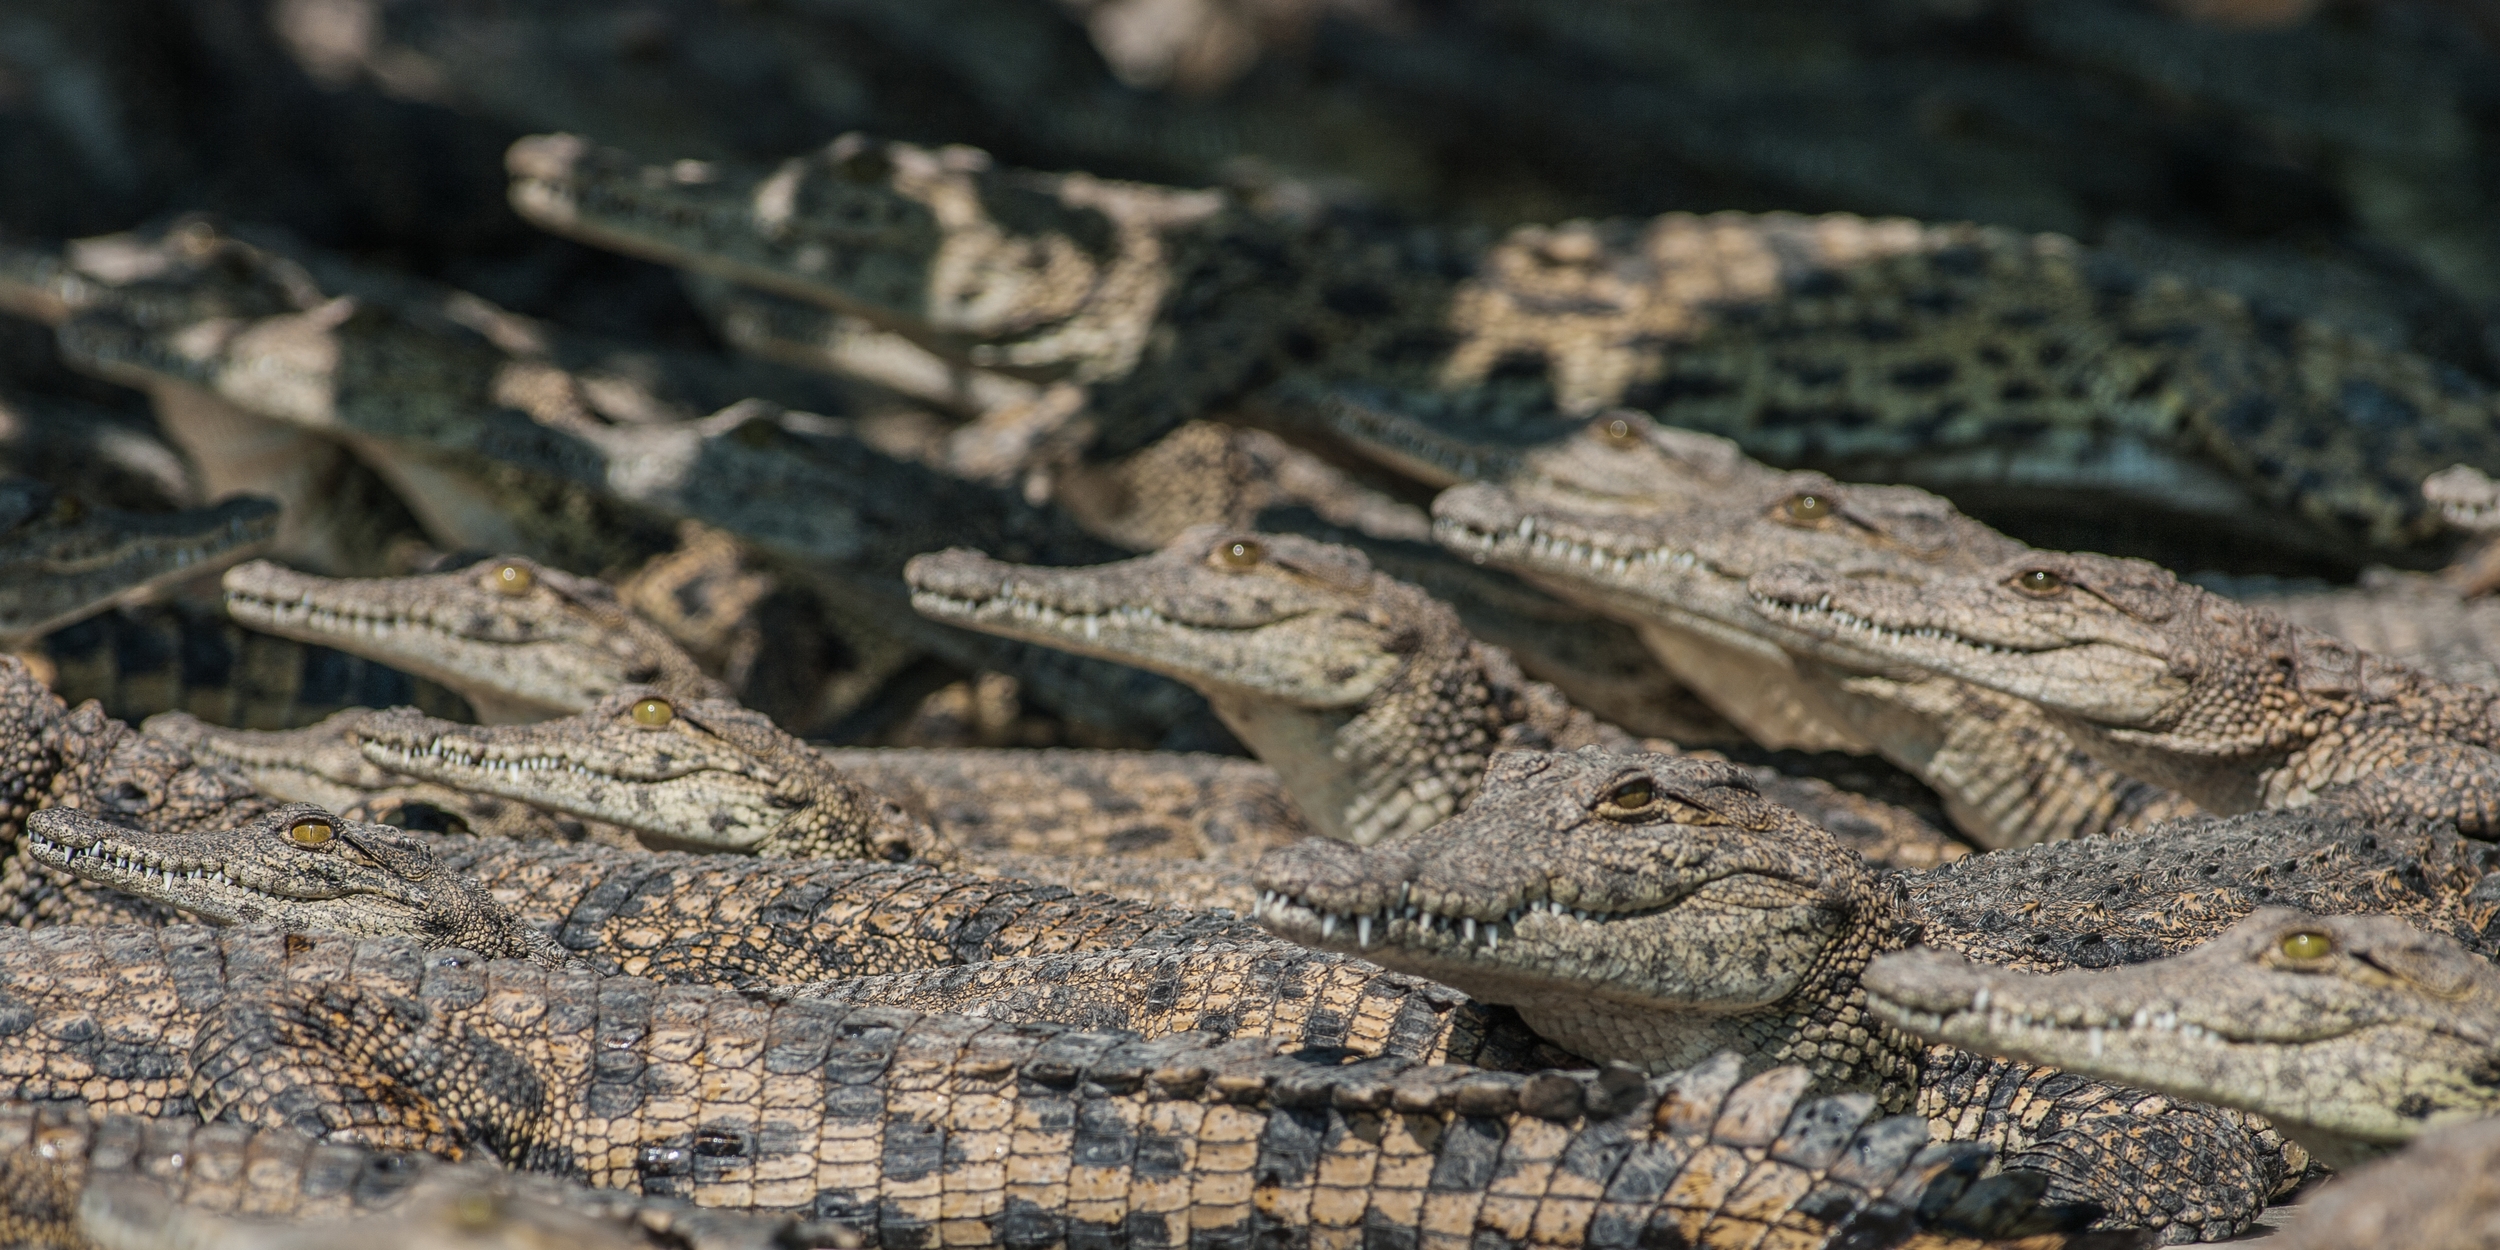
<point x="520" y="640"/>
<point x="62" y="560"/>
<point x="1363" y="692"/>
<point x="295" y="865"/>
<point x="2126" y="652"/>
<point x="2352" y="1033"/>
<point x="1633" y="907"/>
<point x="704" y="774"/>
<point x="1685" y="560"/>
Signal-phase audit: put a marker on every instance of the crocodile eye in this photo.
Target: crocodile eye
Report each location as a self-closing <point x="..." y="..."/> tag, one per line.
<point x="1807" y="506"/>
<point x="1619" y="433"/>
<point x="309" y="832"/>
<point x="511" y="579"/>
<point x="68" y="510"/>
<point x="1632" y="796"/>
<point x="1241" y="553"/>
<point x="2040" y="582"/>
<point x="653" y="712"/>
<point x="2306" y="944"/>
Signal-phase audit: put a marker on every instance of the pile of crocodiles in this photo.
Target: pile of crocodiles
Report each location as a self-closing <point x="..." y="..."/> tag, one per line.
<point x="1126" y="715"/>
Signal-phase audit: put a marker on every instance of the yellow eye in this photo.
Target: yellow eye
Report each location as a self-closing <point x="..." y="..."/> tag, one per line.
<point x="68" y="509"/>
<point x="1633" y="795"/>
<point x="2040" y="582"/>
<point x="1241" y="553"/>
<point x="1808" y="506"/>
<point x="653" y="712"/>
<point x="1619" y="433"/>
<point x="2307" y="944"/>
<point x="309" y="832"/>
<point x="512" y="579"/>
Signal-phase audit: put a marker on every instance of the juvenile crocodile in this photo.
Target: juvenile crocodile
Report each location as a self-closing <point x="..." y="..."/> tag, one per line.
<point x="2163" y="680"/>
<point x="1641" y="908"/>
<point x="2029" y="368"/>
<point x="304" y="869"/>
<point x="1363" y="692"/>
<point x="516" y="437"/>
<point x="1678" y="567"/>
<point x="294" y="865"/>
<point x="63" y="559"/>
<point x="519" y="640"/>
<point x="897" y="1126"/>
<point x="705" y="773"/>
<point x="2354" y="1034"/>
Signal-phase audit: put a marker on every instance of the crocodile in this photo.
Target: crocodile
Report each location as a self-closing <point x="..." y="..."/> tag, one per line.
<point x="1367" y="696"/>
<point x="521" y="439"/>
<point x="2032" y="370"/>
<point x="955" y="1124"/>
<point x="2469" y="500"/>
<point x="1677" y="566"/>
<point x="519" y="640"/>
<point x="2226" y="703"/>
<point x="302" y="868"/>
<point x="294" y="865"/>
<point x="64" y="559"/>
<point x="1640" y="908"/>
<point x="2353" y="1034"/>
<point x="702" y="773"/>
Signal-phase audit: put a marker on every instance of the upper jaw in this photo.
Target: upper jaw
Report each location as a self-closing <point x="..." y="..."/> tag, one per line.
<point x="210" y="876"/>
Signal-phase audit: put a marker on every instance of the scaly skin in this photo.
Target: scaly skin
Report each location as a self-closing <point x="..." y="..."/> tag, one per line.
<point x="75" y="1180"/>
<point x="2355" y="1034"/>
<point x="519" y="640"/>
<point x="702" y="772"/>
<point x="1364" y="693"/>
<point x="181" y="656"/>
<point x="723" y="1101"/>
<point x="1952" y="356"/>
<point x="63" y="560"/>
<point x="80" y="758"/>
<point x="2226" y="703"/>
<point x="1639" y="908"/>
<point x="1361" y="691"/>
<point x="296" y="866"/>
<point x="1676" y="561"/>
<point x="515" y="437"/>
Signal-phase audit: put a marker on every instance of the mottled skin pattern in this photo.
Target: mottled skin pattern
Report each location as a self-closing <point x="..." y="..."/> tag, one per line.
<point x="515" y="436"/>
<point x="1364" y="693"/>
<point x="62" y="559"/>
<point x="897" y="1125"/>
<point x="2354" y="1034"/>
<point x="1636" y="908"/>
<point x="138" y="662"/>
<point x="75" y="1180"/>
<point x="55" y="756"/>
<point x="1952" y="356"/>
<point x="2228" y="704"/>
<point x="1675" y="560"/>
<point x="295" y="866"/>
<point x="2105" y="902"/>
<point x="704" y="773"/>
<point x="2437" y="1194"/>
<point x="1301" y="997"/>
<point x="521" y="641"/>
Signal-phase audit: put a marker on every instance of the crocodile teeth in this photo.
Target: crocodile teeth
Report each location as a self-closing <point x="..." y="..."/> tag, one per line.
<point x="1363" y="930"/>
